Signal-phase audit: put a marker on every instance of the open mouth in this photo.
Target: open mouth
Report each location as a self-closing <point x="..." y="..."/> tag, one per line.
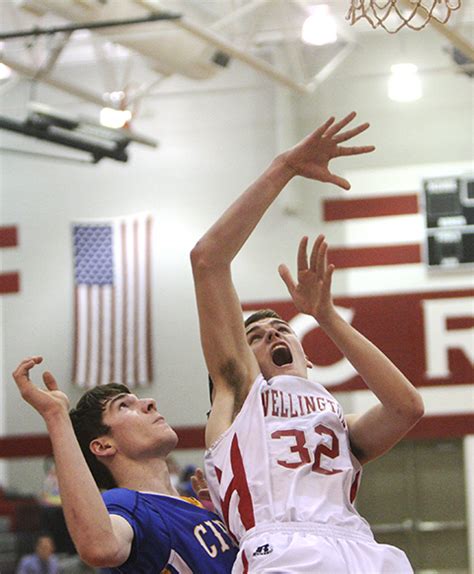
<point x="282" y="356"/>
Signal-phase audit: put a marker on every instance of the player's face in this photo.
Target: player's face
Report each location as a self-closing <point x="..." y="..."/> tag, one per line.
<point x="137" y="428"/>
<point x="276" y="348"/>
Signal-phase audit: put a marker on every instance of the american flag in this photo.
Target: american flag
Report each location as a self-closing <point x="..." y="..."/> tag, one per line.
<point x="112" y="301"/>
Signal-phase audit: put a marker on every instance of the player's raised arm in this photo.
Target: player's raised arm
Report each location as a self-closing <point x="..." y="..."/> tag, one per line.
<point x="229" y="359"/>
<point x="401" y="406"/>
<point x="100" y="539"/>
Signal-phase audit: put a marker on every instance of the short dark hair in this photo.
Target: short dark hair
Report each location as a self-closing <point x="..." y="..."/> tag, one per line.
<point x="87" y="422"/>
<point x="43" y="534"/>
<point x="261" y="314"/>
<point x="253" y="318"/>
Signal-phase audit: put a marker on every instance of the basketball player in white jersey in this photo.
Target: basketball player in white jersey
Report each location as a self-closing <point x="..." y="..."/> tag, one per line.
<point x="283" y="462"/>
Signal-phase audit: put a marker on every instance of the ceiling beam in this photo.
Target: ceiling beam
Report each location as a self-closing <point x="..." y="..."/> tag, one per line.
<point x="246" y="57"/>
<point x="53" y="55"/>
<point x="237" y="14"/>
<point x="230" y="49"/>
<point x="332" y="65"/>
<point x="31" y="73"/>
<point x="456" y="39"/>
<point x="37" y="31"/>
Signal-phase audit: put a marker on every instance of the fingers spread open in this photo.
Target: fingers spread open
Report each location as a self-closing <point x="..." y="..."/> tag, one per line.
<point x="321" y="260"/>
<point x="317" y="134"/>
<point x="339" y="125"/>
<point x="287" y="278"/>
<point x="354" y="150"/>
<point x="344" y="136"/>
<point x="314" y="262"/>
<point x="302" y="260"/>
<point x="328" y="280"/>
<point x="339" y="181"/>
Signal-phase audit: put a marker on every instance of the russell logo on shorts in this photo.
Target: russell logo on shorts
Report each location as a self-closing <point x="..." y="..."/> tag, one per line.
<point x="263" y="550"/>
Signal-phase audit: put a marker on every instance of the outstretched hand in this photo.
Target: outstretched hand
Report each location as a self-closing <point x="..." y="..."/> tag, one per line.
<point x="311" y="293"/>
<point x="46" y="401"/>
<point x="310" y="158"/>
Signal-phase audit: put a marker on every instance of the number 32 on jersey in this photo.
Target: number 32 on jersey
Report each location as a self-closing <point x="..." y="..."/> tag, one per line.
<point x="302" y="455"/>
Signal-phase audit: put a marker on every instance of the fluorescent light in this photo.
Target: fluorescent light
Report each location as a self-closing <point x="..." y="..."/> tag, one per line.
<point x="5" y="72"/>
<point x="319" y="28"/>
<point x="111" y="118"/>
<point x="404" y="85"/>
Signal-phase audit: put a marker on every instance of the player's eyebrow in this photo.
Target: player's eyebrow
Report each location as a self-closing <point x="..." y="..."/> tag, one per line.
<point x="111" y="402"/>
<point x="272" y="323"/>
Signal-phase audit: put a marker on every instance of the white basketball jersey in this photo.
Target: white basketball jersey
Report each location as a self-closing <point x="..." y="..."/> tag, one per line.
<point x="285" y="458"/>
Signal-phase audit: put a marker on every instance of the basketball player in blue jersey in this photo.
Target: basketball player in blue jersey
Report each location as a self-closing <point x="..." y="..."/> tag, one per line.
<point x="115" y="441"/>
<point x="283" y="462"/>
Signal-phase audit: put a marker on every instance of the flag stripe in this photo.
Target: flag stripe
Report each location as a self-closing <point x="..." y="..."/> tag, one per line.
<point x="76" y="337"/>
<point x="8" y="236"/>
<point x="113" y="346"/>
<point x="136" y="316"/>
<point x="339" y="209"/>
<point x="95" y="332"/>
<point x="118" y="305"/>
<point x="9" y="283"/>
<point x="100" y="337"/>
<point x="125" y="294"/>
<point x="107" y="339"/>
<point x="130" y="305"/>
<point x="141" y="303"/>
<point x="344" y="258"/>
<point x="88" y="335"/>
<point x="148" y="239"/>
<point x="82" y="339"/>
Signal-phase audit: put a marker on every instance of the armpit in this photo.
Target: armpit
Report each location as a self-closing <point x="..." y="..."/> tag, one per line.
<point x="232" y="374"/>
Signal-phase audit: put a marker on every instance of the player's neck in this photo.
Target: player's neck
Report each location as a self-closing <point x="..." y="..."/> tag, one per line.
<point x="148" y="476"/>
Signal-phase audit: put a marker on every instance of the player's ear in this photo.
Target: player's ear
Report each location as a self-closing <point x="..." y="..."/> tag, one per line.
<point x="102" y="446"/>
<point x="309" y="364"/>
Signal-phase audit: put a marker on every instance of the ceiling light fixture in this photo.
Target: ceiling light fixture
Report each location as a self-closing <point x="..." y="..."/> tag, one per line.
<point x="5" y="72"/>
<point x="111" y="118"/>
<point x="319" y="28"/>
<point x="404" y="85"/>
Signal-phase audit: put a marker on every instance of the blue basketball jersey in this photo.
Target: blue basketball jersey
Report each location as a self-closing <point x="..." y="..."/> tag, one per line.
<point x="171" y="535"/>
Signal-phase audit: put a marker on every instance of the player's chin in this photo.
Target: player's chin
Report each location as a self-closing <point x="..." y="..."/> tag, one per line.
<point x="168" y="439"/>
<point x="173" y="437"/>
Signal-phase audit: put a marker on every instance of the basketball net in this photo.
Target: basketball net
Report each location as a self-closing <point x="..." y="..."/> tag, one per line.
<point x="392" y="15"/>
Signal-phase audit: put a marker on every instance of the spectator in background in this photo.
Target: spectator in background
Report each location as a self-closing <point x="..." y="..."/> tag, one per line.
<point x="43" y="561"/>
<point x="52" y="515"/>
<point x="50" y="493"/>
<point x="184" y="486"/>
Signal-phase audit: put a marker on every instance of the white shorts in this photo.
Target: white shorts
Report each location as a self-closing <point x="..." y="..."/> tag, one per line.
<point x="309" y="549"/>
